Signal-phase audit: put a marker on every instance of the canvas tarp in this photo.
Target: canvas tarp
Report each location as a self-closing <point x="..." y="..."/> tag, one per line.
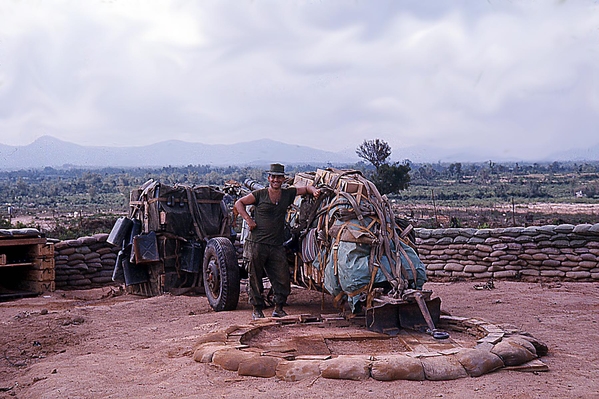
<point x="350" y="241"/>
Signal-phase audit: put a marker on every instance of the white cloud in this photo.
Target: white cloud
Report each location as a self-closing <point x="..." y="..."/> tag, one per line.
<point x="508" y="77"/>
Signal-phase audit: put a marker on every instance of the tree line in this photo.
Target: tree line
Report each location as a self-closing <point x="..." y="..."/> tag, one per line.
<point x="74" y="188"/>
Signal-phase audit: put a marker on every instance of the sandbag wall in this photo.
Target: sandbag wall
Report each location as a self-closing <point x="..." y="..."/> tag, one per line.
<point x="86" y="262"/>
<point x="566" y="252"/>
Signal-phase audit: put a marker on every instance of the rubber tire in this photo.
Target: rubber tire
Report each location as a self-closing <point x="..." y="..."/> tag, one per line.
<point x="220" y="272"/>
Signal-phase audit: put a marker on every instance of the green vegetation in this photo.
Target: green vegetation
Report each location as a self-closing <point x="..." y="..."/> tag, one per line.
<point x="470" y="184"/>
<point x="69" y="203"/>
<point x="388" y="178"/>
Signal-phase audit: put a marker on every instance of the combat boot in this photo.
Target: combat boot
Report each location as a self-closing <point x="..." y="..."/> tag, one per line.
<point x="279" y="312"/>
<point x="257" y="313"/>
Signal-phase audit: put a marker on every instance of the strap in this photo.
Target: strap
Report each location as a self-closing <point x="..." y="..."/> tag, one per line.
<point x="194" y="216"/>
<point x="339" y="300"/>
<point x="354" y="205"/>
<point x="412" y="267"/>
<point x="336" y="248"/>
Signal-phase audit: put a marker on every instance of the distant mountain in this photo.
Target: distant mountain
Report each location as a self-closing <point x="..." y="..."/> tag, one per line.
<point x="49" y="151"/>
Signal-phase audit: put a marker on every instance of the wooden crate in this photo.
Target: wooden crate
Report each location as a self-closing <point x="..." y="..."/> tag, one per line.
<point x="41" y="275"/>
<point x="324" y="176"/>
<point x="46" y="250"/>
<point x="42" y="264"/>
<point x="353" y="187"/>
<point x="39" y="286"/>
<point x="303" y="180"/>
<point x="28" y="264"/>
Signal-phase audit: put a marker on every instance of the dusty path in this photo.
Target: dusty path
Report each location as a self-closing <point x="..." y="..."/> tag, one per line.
<point x="92" y="345"/>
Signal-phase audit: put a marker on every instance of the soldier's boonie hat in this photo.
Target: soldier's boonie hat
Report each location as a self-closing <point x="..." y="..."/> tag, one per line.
<point x="276" y="169"/>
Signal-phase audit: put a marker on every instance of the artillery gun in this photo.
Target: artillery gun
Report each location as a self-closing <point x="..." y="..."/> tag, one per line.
<point x="347" y="243"/>
<point x="178" y="239"/>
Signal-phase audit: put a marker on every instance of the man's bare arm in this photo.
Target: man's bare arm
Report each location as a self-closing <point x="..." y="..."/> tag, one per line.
<point x="240" y="205"/>
<point x="308" y="190"/>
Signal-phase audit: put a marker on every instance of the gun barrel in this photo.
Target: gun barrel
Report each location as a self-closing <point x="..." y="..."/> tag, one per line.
<point x="252" y="184"/>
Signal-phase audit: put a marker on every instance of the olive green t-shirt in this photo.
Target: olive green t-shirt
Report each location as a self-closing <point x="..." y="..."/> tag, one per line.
<point x="269" y="217"/>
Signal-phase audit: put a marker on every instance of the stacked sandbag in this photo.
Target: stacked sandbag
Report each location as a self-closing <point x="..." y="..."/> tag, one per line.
<point x="87" y="262"/>
<point x="569" y="252"/>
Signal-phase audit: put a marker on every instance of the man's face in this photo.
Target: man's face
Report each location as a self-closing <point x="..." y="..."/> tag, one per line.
<point x="276" y="181"/>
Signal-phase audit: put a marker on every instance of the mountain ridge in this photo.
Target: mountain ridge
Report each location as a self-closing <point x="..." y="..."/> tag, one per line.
<point x="48" y="151"/>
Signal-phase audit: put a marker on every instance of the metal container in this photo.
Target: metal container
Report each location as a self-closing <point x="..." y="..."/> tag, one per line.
<point x="120" y="231"/>
<point x="192" y="254"/>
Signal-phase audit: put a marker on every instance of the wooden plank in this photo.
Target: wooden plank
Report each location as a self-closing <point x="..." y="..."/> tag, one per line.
<point x="532" y="366"/>
<point x="17" y="264"/>
<point x="9" y="242"/>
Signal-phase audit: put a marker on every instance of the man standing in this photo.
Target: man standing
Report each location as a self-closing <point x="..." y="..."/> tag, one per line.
<point x="264" y="245"/>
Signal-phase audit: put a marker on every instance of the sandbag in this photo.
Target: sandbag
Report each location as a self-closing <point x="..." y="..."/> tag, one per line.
<point x="477" y="362"/>
<point x="205" y="352"/>
<point x="397" y="367"/>
<point x="230" y="358"/>
<point x="438" y="368"/>
<point x="298" y="370"/>
<point x="512" y="353"/>
<point x="259" y="366"/>
<point x="520" y="340"/>
<point x="214" y="336"/>
<point x="346" y="368"/>
<point x="541" y="348"/>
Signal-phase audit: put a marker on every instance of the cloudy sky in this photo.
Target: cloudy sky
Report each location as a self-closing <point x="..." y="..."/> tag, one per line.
<point x="510" y="77"/>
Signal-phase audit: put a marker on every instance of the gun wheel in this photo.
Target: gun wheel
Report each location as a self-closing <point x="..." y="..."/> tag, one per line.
<point x="221" y="274"/>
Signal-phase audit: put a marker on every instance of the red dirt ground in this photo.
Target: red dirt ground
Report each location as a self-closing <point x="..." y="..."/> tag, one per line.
<point x="93" y="344"/>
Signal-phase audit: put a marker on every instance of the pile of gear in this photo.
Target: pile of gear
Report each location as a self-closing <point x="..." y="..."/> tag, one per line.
<point x="350" y="242"/>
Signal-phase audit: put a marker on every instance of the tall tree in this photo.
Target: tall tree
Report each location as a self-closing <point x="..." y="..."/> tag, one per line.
<point x="388" y="178"/>
<point x="374" y="151"/>
<point x="392" y="178"/>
